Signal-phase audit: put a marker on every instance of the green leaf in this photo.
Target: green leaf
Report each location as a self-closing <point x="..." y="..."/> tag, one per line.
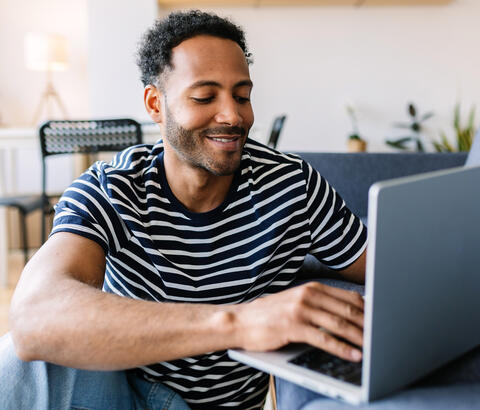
<point x="420" y="146"/>
<point x="426" y="116"/>
<point x="403" y="140"/>
<point x="456" y="117"/>
<point x="446" y="143"/>
<point x="402" y="125"/>
<point x="416" y="127"/>
<point x="411" y="110"/>
<point x="396" y="145"/>
<point x="400" y="143"/>
<point x="471" y="119"/>
<point x="438" y="147"/>
<point x="464" y="142"/>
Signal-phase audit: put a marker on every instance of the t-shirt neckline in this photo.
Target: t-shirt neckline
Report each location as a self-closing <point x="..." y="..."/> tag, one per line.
<point x="182" y="208"/>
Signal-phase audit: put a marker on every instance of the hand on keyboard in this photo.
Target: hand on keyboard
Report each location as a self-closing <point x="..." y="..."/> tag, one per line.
<point x="313" y="313"/>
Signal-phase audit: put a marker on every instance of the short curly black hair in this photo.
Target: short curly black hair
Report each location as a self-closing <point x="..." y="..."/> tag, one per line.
<point x="155" y="48"/>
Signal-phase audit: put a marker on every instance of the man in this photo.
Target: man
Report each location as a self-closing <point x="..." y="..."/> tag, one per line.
<point x="195" y="240"/>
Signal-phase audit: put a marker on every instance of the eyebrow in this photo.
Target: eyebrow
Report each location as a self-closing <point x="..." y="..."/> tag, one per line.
<point x="208" y="83"/>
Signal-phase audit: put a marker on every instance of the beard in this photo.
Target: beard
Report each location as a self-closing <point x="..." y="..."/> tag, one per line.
<point x="193" y="148"/>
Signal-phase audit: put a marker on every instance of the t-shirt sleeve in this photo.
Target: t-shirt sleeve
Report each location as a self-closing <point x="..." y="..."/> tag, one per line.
<point x="85" y="209"/>
<point x="338" y="236"/>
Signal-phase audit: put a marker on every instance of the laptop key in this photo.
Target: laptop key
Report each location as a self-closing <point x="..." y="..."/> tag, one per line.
<point x="325" y="363"/>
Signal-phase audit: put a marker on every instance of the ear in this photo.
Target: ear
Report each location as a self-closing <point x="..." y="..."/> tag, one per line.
<point x="153" y="100"/>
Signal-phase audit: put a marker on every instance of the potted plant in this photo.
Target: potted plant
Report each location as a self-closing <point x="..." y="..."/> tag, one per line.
<point x="415" y="126"/>
<point x="464" y="134"/>
<point x="355" y="142"/>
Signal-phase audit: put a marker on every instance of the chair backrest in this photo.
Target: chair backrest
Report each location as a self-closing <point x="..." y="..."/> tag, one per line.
<point x="88" y="136"/>
<point x="473" y="158"/>
<point x="84" y="137"/>
<point x="275" y="132"/>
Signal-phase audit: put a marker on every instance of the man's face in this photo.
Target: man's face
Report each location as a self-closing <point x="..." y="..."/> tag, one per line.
<point x="206" y="106"/>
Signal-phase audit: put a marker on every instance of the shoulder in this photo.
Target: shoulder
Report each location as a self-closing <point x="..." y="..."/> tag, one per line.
<point x="265" y="159"/>
<point x="122" y="176"/>
<point x="131" y="163"/>
<point x="133" y="160"/>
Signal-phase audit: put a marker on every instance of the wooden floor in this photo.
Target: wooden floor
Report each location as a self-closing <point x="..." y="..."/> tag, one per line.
<point x="15" y="266"/>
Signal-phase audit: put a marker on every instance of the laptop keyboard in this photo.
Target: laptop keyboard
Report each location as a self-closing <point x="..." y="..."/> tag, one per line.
<point x="325" y="363"/>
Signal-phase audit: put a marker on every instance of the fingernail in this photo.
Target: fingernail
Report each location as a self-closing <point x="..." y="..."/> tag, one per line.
<point x="356" y="355"/>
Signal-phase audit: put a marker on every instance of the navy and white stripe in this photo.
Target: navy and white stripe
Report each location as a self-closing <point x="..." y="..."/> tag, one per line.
<point x="277" y="210"/>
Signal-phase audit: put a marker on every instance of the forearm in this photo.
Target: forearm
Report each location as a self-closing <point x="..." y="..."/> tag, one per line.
<point x="58" y="314"/>
<point x="76" y="325"/>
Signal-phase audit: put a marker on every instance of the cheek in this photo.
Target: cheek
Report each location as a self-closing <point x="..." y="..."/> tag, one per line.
<point x="192" y="119"/>
<point x="248" y="116"/>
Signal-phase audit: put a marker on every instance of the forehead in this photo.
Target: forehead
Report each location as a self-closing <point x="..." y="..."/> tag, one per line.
<point x="207" y="58"/>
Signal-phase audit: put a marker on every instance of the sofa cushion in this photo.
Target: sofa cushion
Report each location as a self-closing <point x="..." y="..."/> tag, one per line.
<point x="352" y="174"/>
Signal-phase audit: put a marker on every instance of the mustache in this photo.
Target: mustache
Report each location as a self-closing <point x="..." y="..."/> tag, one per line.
<point x="224" y="131"/>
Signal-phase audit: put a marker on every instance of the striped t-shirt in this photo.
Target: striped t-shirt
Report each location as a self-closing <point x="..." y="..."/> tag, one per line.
<point x="277" y="210"/>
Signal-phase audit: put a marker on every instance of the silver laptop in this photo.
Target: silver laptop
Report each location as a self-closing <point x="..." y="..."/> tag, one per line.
<point x="422" y="303"/>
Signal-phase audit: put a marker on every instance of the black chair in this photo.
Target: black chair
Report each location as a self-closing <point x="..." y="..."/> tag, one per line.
<point x="70" y="137"/>
<point x="275" y="132"/>
<point x="24" y="204"/>
<point x="83" y="137"/>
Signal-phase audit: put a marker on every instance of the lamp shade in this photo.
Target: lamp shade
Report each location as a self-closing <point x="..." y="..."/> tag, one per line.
<point x="45" y="52"/>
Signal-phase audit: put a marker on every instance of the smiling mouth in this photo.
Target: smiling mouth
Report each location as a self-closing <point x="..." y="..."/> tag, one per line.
<point x="232" y="143"/>
<point x="224" y="139"/>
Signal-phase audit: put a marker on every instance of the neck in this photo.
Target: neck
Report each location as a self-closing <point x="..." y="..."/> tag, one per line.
<point x="196" y="188"/>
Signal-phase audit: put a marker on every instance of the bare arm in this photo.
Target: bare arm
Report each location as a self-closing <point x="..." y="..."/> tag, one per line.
<point x="356" y="271"/>
<point x="59" y="314"/>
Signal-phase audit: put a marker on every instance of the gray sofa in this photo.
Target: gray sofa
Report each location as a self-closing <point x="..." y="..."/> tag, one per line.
<point x="456" y="385"/>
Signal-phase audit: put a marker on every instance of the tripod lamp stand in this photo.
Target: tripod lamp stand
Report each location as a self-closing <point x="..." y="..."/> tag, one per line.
<point x="47" y="52"/>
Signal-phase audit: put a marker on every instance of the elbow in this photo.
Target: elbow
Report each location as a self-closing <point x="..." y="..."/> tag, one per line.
<point x="23" y="334"/>
<point x="32" y="314"/>
<point x="22" y="349"/>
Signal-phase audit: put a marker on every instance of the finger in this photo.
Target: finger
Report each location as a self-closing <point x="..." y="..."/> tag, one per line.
<point x="348" y="296"/>
<point x="337" y="325"/>
<point x="328" y="342"/>
<point x="337" y="307"/>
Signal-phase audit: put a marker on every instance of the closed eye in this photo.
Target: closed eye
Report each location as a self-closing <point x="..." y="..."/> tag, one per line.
<point x="242" y="100"/>
<point x="202" y="100"/>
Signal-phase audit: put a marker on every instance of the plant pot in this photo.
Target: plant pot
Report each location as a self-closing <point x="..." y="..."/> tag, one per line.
<point x="356" y="145"/>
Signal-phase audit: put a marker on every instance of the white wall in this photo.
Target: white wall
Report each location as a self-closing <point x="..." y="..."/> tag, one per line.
<point x="311" y="61"/>
<point x="114" y="28"/>
<point x="20" y="89"/>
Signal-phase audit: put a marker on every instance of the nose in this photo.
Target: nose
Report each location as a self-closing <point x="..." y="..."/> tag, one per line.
<point x="228" y="113"/>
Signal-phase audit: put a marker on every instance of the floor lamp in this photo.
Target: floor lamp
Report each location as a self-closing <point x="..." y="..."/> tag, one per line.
<point x="47" y="52"/>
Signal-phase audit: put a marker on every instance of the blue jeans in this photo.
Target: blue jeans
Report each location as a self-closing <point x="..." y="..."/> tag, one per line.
<point x="41" y="385"/>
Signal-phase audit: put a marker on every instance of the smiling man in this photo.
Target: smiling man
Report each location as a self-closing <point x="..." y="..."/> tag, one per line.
<point x="202" y="103"/>
<point x="161" y="260"/>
